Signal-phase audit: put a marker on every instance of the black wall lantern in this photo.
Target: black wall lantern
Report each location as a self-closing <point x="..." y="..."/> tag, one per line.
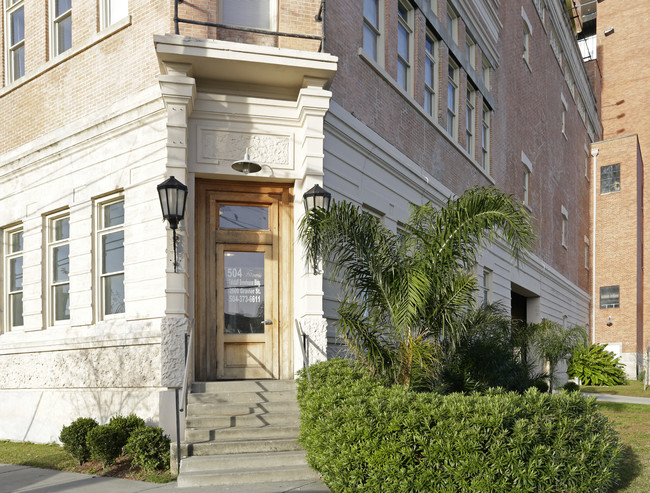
<point x="317" y="196"/>
<point x="173" y="198"/>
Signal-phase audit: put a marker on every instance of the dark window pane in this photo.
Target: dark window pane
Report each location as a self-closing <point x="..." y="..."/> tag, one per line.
<point x="610" y="178"/>
<point x="609" y="297"/>
<point x="62" y="229"/>
<point x="251" y="13"/>
<point x="114" y="294"/>
<point x="61" y="6"/>
<point x="17" y="25"/>
<point x="113" y="252"/>
<point x="16" y="301"/>
<point x="64" y="34"/>
<point x="16" y="242"/>
<point x="16" y="274"/>
<point x="62" y="302"/>
<point x="243" y="303"/>
<point x="61" y="263"/>
<point x="243" y="217"/>
<point x="113" y="214"/>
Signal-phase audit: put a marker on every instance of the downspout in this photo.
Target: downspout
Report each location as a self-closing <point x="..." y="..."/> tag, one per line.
<point x="594" y="154"/>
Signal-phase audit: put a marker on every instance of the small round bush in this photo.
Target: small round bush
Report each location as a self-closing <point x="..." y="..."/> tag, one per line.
<point x="149" y="448"/>
<point x="126" y="425"/>
<point x="641" y="376"/>
<point x="73" y="438"/>
<point x="105" y="443"/>
<point x="571" y="387"/>
<point x="541" y="385"/>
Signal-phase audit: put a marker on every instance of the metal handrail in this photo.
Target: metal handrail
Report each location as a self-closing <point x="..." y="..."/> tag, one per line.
<point x="189" y="351"/>
<point x="304" y="341"/>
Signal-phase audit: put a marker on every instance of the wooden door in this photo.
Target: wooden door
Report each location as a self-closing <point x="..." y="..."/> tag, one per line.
<point x="243" y="302"/>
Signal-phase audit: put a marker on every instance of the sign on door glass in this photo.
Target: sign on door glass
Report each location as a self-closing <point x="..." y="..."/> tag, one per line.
<point x="243" y="292"/>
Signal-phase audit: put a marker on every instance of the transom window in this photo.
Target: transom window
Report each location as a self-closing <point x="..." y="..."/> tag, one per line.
<point x="110" y="234"/>
<point x="14" y="279"/>
<point x="59" y="268"/>
<point x="609" y="297"/>
<point x="259" y="14"/>
<point x="431" y="75"/>
<point x="610" y="178"/>
<point x="15" y="22"/>
<point x="404" y="31"/>
<point x="371" y="29"/>
<point x="61" y="26"/>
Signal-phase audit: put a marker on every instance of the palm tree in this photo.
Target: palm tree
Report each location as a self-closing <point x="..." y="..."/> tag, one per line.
<point x="404" y="294"/>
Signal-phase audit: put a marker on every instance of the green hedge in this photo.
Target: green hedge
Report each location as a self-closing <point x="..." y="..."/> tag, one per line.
<point x="362" y="436"/>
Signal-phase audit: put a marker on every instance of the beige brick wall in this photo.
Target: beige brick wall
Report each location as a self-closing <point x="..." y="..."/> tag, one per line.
<point x="619" y="229"/>
<point x="85" y="79"/>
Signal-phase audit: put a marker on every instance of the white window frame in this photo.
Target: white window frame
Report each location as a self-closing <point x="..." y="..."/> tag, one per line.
<point x="9" y="255"/>
<point x="273" y="16"/>
<point x="101" y="277"/>
<point x="616" y="186"/>
<point x="375" y="30"/>
<point x="586" y="252"/>
<point x="486" y="72"/>
<point x="617" y="304"/>
<point x="485" y="138"/>
<point x="527" y="38"/>
<point x="528" y="169"/>
<point x="452" y="23"/>
<point x="564" y="110"/>
<point x="587" y="162"/>
<point x="404" y="60"/>
<point x="470" y="121"/>
<point x="52" y="283"/>
<point x="470" y="50"/>
<point x="565" y="226"/>
<point x="112" y="11"/>
<point x="486" y="286"/>
<point x="12" y="6"/>
<point x="431" y="86"/>
<point x="55" y="24"/>
<point x="453" y="74"/>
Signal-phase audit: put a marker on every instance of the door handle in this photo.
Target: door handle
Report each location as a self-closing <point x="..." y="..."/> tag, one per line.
<point x="268" y="321"/>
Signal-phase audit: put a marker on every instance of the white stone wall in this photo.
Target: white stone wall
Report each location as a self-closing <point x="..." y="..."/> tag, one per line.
<point x="51" y="374"/>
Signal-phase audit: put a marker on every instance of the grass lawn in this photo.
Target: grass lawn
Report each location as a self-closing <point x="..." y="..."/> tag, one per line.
<point x="633" y="388"/>
<point x="53" y="456"/>
<point x="632" y="421"/>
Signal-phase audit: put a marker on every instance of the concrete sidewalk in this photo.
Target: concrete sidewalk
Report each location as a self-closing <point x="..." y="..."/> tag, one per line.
<point x="20" y="479"/>
<point x="619" y="398"/>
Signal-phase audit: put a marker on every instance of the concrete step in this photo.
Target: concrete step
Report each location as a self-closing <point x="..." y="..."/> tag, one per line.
<point x="244" y="446"/>
<point x="238" y="409"/>
<point x="244" y="421"/>
<point x="205" y="435"/>
<point x="232" y="397"/>
<point x="243" y="386"/>
<point x="243" y="462"/>
<point x="237" y="476"/>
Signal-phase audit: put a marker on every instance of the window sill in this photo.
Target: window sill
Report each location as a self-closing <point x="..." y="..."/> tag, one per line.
<point x="66" y="55"/>
<point x="410" y="100"/>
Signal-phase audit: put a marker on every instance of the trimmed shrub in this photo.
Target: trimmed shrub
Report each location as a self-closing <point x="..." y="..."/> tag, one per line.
<point x="126" y="425"/>
<point x="594" y="365"/>
<point x="73" y="438"/>
<point x="105" y="443"/>
<point x="149" y="448"/>
<point x="362" y="436"/>
<point x="571" y="387"/>
<point x="541" y="385"/>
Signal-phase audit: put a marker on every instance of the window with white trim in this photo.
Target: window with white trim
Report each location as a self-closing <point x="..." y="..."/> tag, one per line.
<point x="586" y="252"/>
<point x="486" y="286"/>
<point x="452" y="23"/>
<point x="404" y="32"/>
<point x="13" y="278"/>
<point x="372" y="28"/>
<point x="564" y="110"/>
<point x="434" y="6"/>
<point x="565" y="232"/>
<point x="528" y="168"/>
<point x="113" y="11"/>
<point x="485" y="138"/>
<point x="587" y="162"/>
<point x="110" y="244"/>
<point x="526" y="53"/>
<point x="15" y="28"/>
<point x="260" y="14"/>
<point x="61" y="26"/>
<point x="431" y="75"/>
<point x="486" y="72"/>
<point x="452" y="100"/>
<point x="470" y="51"/>
<point x="609" y="297"/>
<point x="58" y="259"/>
<point x="470" y="120"/>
